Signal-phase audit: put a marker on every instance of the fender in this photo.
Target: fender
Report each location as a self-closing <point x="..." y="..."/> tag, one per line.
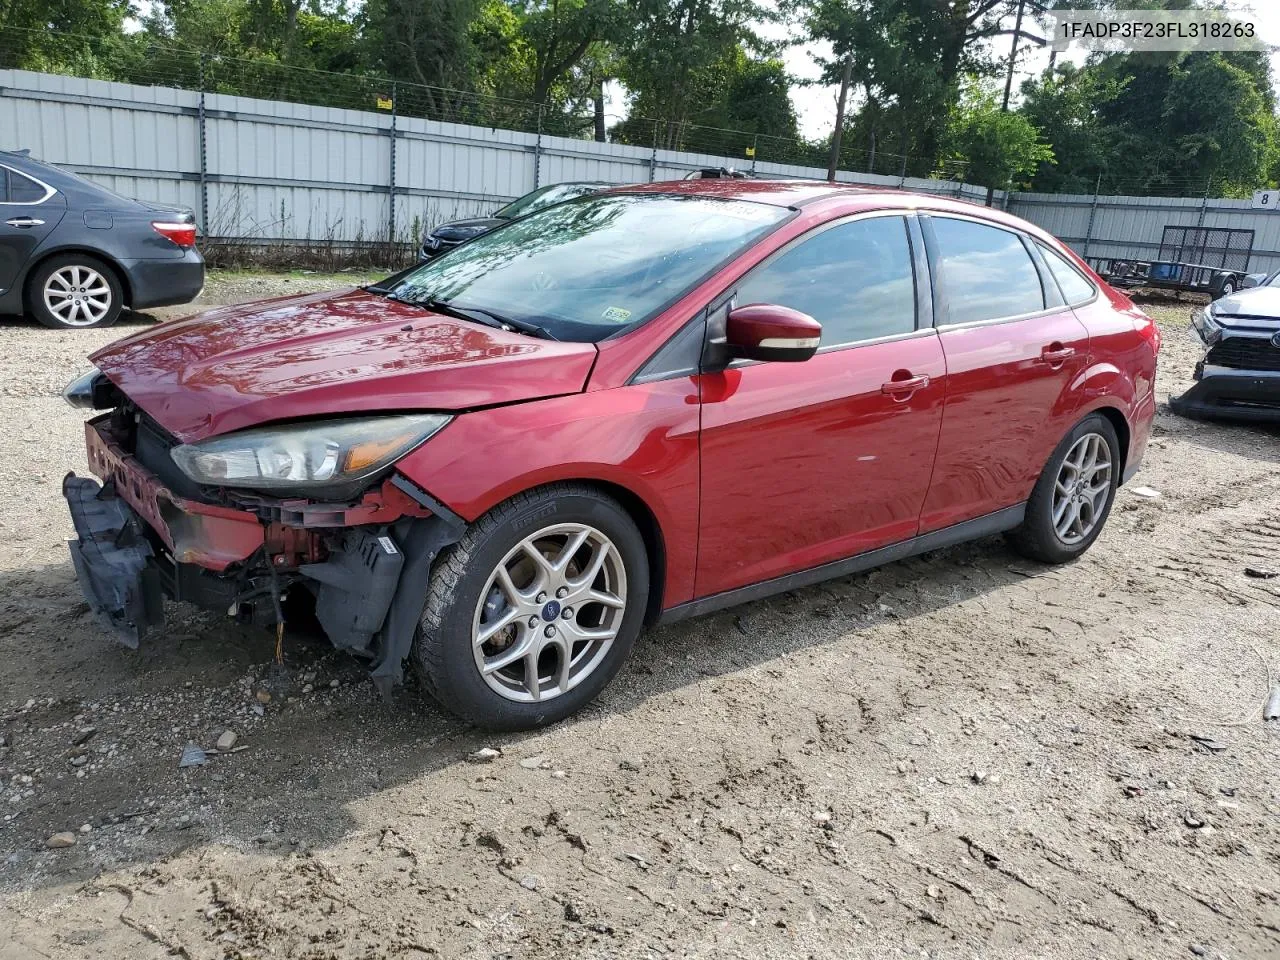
<point x="641" y="438"/>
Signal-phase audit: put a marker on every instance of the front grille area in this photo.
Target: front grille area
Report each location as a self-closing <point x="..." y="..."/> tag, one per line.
<point x="1244" y="353"/>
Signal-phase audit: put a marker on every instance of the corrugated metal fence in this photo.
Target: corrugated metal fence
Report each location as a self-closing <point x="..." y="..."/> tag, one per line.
<point x="1131" y="227"/>
<point x="268" y="170"/>
<point x="274" y="171"/>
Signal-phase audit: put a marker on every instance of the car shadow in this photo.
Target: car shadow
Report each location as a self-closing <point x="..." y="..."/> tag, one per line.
<point x="1250" y="440"/>
<point x="325" y="739"/>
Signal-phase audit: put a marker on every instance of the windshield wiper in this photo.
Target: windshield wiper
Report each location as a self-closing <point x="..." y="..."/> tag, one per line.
<point x="487" y="318"/>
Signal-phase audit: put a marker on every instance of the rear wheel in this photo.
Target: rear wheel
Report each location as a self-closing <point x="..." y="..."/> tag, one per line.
<point x="1072" y="499"/>
<point x="75" y="291"/>
<point x="535" y="609"/>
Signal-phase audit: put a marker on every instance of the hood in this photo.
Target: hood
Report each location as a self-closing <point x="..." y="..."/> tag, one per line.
<point x="1255" y="308"/>
<point x="466" y="229"/>
<point x="330" y="355"/>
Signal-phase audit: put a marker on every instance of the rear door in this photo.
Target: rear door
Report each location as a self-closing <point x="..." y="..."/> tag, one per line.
<point x="29" y="210"/>
<point x="806" y="463"/>
<point x="1013" y="349"/>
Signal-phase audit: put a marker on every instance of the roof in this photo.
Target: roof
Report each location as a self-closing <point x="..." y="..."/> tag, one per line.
<point x="800" y="193"/>
<point x="782" y="193"/>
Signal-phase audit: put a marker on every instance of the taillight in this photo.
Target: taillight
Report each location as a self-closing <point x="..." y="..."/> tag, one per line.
<point x="183" y="234"/>
<point x="1149" y="330"/>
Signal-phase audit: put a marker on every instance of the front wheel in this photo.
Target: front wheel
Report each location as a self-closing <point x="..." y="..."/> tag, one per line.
<point x="1072" y="499"/>
<point x="535" y="609"/>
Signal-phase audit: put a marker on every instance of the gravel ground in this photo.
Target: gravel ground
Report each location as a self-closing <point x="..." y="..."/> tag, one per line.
<point x="962" y="755"/>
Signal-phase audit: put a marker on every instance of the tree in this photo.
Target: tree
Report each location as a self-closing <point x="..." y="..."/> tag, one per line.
<point x="673" y="51"/>
<point x="1218" y="122"/>
<point x="1066" y="105"/>
<point x="998" y="149"/>
<point x="58" y="34"/>
<point x="562" y="32"/>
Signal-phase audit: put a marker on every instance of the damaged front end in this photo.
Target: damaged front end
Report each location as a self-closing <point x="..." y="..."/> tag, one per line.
<point x="1238" y="377"/>
<point x="364" y="562"/>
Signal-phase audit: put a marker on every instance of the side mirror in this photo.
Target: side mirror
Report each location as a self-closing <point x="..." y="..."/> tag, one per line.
<point x="766" y="331"/>
<point x="1252" y="280"/>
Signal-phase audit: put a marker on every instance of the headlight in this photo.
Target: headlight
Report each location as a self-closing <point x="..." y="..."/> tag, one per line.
<point x="1207" y="328"/>
<point x="332" y="457"/>
<point x="90" y="391"/>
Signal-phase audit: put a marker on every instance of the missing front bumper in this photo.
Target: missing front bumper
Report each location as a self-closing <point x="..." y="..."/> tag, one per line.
<point x="112" y="560"/>
<point x="1231" y="395"/>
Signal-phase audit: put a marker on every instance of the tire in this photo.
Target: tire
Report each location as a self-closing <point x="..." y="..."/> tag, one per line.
<point x="1039" y="537"/>
<point x="1228" y="288"/>
<point x="465" y="597"/>
<point x="52" y="289"/>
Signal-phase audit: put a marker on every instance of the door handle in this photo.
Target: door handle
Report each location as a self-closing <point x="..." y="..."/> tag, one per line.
<point x="25" y="222"/>
<point x="898" y="388"/>
<point x="1057" y="354"/>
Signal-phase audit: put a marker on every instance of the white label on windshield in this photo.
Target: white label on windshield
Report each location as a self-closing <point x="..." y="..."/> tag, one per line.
<point x="616" y="315"/>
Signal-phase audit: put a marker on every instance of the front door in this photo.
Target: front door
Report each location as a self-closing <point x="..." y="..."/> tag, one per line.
<point x="1013" y="349"/>
<point x="806" y="463"/>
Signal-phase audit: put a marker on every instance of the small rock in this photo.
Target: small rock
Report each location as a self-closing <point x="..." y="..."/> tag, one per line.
<point x="308" y="688"/>
<point x="333" y="684"/>
<point x="1259" y="573"/>
<point x="1145" y="492"/>
<point x="534" y="763"/>
<point x="85" y="827"/>
<point x="529" y="882"/>
<point x="1192" y="821"/>
<point x="821" y="816"/>
<point x="631" y="764"/>
<point x="80" y="760"/>
<point x="484" y="755"/>
<point x="227" y="740"/>
<point x="264" y="696"/>
<point x="83" y="736"/>
<point x="1271" y="709"/>
<point x="259" y="709"/>
<point x="978" y="776"/>
<point x="558" y="774"/>
<point x="192" y="756"/>
<point x="1198" y="950"/>
<point x="60" y="840"/>
<point x="933" y="892"/>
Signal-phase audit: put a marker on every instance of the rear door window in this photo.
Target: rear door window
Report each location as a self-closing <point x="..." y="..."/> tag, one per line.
<point x="984" y="272"/>
<point x="17" y="188"/>
<point x="855" y="279"/>
<point x="24" y="189"/>
<point x="1075" y="288"/>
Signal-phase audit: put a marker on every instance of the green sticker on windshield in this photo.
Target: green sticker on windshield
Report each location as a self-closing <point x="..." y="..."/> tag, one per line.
<point x="616" y="315"/>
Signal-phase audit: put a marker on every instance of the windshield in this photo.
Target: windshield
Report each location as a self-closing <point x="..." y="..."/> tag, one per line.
<point x="586" y="269"/>
<point x="544" y="197"/>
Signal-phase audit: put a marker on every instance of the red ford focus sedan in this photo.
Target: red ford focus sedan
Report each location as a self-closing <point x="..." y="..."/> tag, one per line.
<point x="625" y="410"/>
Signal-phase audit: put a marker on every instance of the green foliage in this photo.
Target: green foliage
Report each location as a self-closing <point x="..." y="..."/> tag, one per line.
<point x="996" y="148"/>
<point x="925" y="76"/>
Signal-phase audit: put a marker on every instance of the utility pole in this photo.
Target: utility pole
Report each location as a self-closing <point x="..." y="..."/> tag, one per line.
<point x="846" y="77"/>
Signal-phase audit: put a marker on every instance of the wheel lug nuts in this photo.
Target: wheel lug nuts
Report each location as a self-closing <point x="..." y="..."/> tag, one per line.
<point x="542" y="598"/>
<point x="562" y="592"/>
<point x="549" y="632"/>
<point x="568" y="613"/>
<point x="534" y="621"/>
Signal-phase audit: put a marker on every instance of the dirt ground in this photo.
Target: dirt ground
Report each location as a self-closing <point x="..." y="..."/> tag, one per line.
<point x="962" y="755"/>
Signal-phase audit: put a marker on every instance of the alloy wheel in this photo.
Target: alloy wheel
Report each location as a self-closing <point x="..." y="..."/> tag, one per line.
<point x="549" y="612"/>
<point x="78" y="296"/>
<point x="1082" y="488"/>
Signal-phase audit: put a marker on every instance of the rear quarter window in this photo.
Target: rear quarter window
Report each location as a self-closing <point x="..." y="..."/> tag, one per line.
<point x="1073" y="284"/>
<point x="985" y="272"/>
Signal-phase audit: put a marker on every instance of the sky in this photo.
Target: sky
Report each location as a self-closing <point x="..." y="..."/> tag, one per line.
<point x="816" y="106"/>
